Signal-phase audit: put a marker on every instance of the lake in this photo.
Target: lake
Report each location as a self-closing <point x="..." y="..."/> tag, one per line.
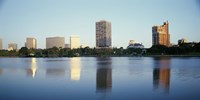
<point x="93" y="78"/>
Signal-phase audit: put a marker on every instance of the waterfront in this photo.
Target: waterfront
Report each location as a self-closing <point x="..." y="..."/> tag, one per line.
<point x="97" y="78"/>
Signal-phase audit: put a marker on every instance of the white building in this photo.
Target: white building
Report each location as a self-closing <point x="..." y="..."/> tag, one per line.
<point x="55" y="42"/>
<point x="183" y="40"/>
<point x="31" y="43"/>
<point x="74" y="41"/>
<point x="12" y="46"/>
<point x="133" y="44"/>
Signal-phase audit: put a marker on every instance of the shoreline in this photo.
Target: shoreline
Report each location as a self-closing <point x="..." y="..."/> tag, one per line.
<point x="108" y="56"/>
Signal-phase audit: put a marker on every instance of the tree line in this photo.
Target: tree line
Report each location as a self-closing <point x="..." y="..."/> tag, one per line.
<point x="182" y="49"/>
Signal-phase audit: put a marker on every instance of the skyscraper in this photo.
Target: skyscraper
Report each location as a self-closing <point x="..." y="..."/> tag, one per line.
<point x="12" y="46"/>
<point x="55" y="42"/>
<point x="160" y="35"/>
<point x="31" y="43"/>
<point x="1" y="44"/>
<point x="103" y="34"/>
<point x="74" y="42"/>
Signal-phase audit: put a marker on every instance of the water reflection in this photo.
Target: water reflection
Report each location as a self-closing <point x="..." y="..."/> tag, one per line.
<point x="161" y="74"/>
<point x="55" y="72"/>
<point x="33" y="69"/>
<point x="75" y="68"/>
<point x="104" y="75"/>
<point x="1" y="71"/>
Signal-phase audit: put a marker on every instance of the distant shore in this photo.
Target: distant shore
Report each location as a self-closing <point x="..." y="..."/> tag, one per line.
<point x="106" y="56"/>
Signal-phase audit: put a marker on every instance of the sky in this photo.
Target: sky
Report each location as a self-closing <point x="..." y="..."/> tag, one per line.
<point x="131" y="20"/>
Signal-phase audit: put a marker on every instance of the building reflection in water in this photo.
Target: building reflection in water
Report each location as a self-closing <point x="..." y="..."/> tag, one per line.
<point x="104" y="75"/>
<point x="1" y="71"/>
<point x="161" y="74"/>
<point x="33" y="69"/>
<point x="55" y="72"/>
<point x="75" y="68"/>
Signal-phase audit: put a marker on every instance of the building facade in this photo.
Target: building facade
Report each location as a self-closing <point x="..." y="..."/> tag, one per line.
<point x="12" y="46"/>
<point x="74" y="41"/>
<point x="133" y="44"/>
<point x="103" y="34"/>
<point x="1" y="44"/>
<point x="31" y="43"/>
<point x="160" y="35"/>
<point x="55" y="42"/>
<point x="181" y="41"/>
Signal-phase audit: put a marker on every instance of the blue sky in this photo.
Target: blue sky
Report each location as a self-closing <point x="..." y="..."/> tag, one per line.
<point x="131" y="20"/>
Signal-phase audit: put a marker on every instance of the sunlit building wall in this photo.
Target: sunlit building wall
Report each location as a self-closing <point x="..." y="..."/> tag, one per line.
<point x="131" y="42"/>
<point x="181" y="41"/>
<point x="31" y="43"/>
<point x="74" y="41"/>
<point x="12" y="46"/>
<point x="160" y="35"/>
<point x="55" y="42"/>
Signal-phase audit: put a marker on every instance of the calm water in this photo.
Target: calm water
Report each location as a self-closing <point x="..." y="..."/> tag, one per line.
<point x="100" y="78"/>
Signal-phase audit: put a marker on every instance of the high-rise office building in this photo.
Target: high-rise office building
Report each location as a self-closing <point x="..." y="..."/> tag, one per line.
<point x="160" y="35"/>
<point x="55" y="42"/>
<point x="31" y="43"/>
<point x="1" y="44"/>
<point x="74" y="42"/>
<point x="103" y="34"/>
<point x="12" y="46"/>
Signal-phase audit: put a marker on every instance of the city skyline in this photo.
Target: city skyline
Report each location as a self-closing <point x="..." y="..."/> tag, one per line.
<point x="130" y="19"/>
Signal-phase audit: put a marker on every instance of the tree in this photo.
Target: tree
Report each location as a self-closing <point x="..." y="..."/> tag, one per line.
<point x="53" y="52"/>
<point x="158" y="49"/>
<point x="196" y="47"/>
<point x="23" y="51"/>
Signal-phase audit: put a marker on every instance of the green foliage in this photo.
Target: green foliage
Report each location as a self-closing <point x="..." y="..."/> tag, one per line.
<point x="23" y="51"/>
<point x="158" y="50"/>
<point x="196" y="47"/>
<point x="183" y="49"/>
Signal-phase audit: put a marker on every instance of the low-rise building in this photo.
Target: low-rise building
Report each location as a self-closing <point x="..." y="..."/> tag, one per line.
<point x="12" y="46"/>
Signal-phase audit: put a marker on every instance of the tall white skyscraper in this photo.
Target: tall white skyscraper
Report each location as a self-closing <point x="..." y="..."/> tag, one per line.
<point x="31" y="43"/>
<point x="74" y="41"/>
<point x="103" y="34"/>
<point x="55" y="42"/>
